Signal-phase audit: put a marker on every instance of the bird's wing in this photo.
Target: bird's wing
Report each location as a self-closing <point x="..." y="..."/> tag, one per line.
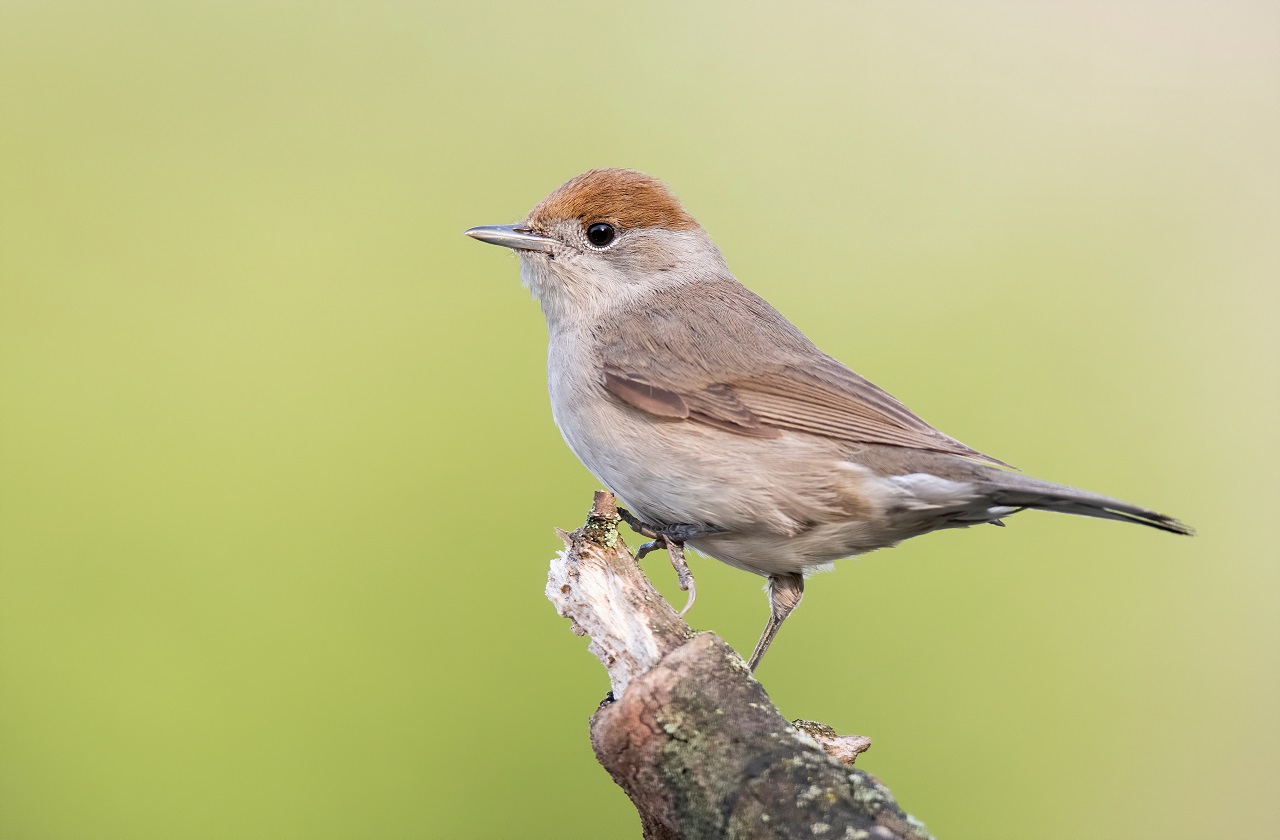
<point x="746" y="369"/>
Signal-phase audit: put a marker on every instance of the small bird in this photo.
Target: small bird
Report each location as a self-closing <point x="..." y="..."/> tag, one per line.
<point x="716" y="422"/>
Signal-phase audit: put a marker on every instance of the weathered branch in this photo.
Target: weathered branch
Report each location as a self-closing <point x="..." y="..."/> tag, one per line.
<point x="688" y="732"/>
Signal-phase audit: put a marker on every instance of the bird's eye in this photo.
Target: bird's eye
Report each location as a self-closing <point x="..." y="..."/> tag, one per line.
<point x="601" y="234"/>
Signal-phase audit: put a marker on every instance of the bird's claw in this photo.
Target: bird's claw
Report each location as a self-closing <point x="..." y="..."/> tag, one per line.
<point x="681" y="532"/>
<point x="675" y="550"/>
<point x="687" y="584"/>
<point x="672" y="538"/>
<point x="636" y="524"/>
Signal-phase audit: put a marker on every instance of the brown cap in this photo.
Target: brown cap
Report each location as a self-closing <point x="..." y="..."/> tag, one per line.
<point x="621" y="197"/>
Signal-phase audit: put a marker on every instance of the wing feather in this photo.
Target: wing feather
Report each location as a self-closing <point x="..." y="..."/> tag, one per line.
<point x="742" y="367"/>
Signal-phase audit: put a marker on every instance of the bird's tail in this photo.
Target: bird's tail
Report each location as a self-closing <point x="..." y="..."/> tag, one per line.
<point x="1022" y="492"/>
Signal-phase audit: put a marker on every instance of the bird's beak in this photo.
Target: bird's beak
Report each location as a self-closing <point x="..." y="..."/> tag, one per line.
<point x="511" y="236"/>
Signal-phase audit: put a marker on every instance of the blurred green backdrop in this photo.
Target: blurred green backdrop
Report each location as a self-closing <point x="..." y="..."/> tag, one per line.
<point x="278" y="476"/>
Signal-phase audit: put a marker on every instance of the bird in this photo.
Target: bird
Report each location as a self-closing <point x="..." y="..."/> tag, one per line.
<point x="717" y="423"/>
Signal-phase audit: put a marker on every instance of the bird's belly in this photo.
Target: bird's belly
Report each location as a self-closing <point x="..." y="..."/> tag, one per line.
<point x="814" y="549"/>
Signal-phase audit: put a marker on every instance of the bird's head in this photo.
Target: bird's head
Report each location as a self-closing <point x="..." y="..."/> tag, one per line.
<point x="604" y="238"/>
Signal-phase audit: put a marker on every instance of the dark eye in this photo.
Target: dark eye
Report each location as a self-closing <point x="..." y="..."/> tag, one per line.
<point x="601" y="234"/>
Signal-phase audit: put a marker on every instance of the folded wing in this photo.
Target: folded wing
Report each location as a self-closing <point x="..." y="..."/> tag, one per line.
<point x="748" y="370"/>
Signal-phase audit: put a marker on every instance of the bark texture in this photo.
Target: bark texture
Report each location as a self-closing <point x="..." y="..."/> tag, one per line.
<point x="688" y="732"/>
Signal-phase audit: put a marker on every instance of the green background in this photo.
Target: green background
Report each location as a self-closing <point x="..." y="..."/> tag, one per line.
<point x="278" y="478"/>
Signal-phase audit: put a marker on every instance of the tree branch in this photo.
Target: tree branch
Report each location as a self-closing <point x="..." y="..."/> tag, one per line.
<point x="688" y="732"/>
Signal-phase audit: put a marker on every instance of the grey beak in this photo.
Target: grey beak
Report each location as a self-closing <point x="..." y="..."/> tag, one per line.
<point x="511" y="236"/>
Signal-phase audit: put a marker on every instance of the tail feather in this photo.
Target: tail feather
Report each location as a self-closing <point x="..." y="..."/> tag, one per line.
<point x="1023" y="492"/>
<point x="1000" y="493"/>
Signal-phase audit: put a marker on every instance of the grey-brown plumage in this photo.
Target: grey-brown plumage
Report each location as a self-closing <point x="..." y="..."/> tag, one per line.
<point x="714" y="372"/>
<point x="700" y="406"/>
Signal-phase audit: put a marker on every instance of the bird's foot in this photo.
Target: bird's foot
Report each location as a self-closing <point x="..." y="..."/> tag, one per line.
<point x="680" y="532"/>
<point x="675" y="550"/>
<point x="672" y="538"/>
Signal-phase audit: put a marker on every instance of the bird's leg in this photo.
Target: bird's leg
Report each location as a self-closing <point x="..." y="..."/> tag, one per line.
<point x="672" y="538"/>
<point x="679" y="532"/>
<point x="785" y="592"/>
